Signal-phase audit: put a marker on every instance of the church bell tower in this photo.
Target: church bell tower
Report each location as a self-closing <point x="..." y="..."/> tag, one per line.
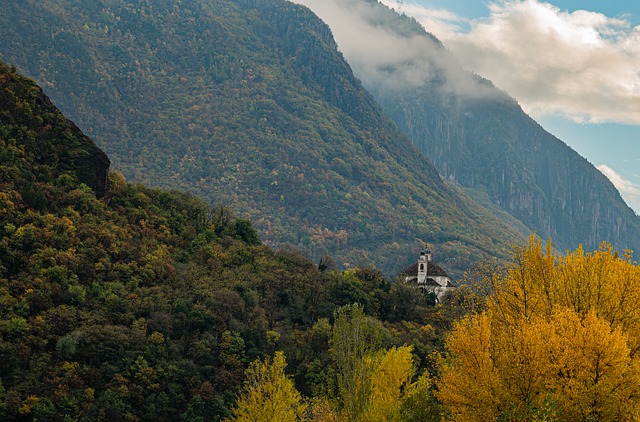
<point x="423" y="265"/>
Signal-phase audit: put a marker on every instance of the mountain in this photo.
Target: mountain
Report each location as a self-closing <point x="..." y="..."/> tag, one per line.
<point x="126" y="303"/>
<point x="476" y="135"/>
<point x="53" y="147"/>
<point x="248" y="103"/>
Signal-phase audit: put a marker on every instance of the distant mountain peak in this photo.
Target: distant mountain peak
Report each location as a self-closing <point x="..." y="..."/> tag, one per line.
<point x="479" y="137"/>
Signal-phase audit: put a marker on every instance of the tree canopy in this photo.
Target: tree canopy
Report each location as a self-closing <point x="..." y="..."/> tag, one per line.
<point x="558" y="340"/>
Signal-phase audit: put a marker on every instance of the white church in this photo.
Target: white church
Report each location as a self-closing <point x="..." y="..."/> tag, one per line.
<point x="429" y="276"/>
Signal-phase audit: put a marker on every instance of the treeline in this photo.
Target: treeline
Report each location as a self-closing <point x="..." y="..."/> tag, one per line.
<point x="149" y="305"/>
<point x="552" y="338"/>
<point x="145" y="304"/>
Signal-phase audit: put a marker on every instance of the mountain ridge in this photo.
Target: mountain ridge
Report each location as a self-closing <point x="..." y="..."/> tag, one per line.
<point x="250" y="104"/>
<point x="78" y="155"/>
<point x="476" y="134"/>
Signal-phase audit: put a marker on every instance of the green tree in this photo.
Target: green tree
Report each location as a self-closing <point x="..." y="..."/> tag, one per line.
<point x="353" y="337"/>
<point x="3" y="404"/>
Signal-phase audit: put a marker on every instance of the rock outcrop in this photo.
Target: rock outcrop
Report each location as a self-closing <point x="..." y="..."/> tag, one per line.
<point x="40" y="134"/>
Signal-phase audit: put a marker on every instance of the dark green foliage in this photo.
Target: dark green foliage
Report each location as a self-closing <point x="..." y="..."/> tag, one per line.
<point x="244" y="231"/>
<point x="248" y="104"/>
<point x="55" y="143"/>
<point x="147" y="304"/>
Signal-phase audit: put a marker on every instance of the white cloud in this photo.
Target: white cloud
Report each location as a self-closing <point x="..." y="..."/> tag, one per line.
<point x="629" y="190"/>
<point x="583" y="65"/>
<point x="442" y="22"/>
<point x="384" y="50"/>
<point x="580" y="65"/>
<point x="368" y="45"/>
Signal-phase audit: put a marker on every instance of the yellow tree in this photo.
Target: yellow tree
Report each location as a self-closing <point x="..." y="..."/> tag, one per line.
<point x="591" y="371"/>
<point x="469" y="385"/>
<point x="385" y="391"/>
<point x="391" y="374"/>
<point x="540" y="282"/>
<point x="269" y="395"/>
<point x="559" y="340"/>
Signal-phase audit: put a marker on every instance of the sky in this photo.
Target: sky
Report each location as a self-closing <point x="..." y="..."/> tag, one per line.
<point x="574" y="66"/>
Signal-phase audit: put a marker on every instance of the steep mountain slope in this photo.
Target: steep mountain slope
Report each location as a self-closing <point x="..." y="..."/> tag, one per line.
<point x="247" y="103"/>
<point x="52" y="147"/>
<point x="476" y="135"/>
<point x="148" y="305"/>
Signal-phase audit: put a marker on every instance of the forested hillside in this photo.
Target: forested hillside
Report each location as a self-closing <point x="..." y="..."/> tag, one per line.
<point x="476" y="135"/>
<point x="125" y="303"/>
<point x="143" y="304"/>
<point x="248" y="104"/>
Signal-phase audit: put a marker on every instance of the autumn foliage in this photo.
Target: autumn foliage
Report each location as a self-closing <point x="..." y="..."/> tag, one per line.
<point x="143" y="304"/>
<point x="269" y="394"/>
<point x="558" y="340"/>
<point x="147" y="305"/>
<point x="373" y="384"/>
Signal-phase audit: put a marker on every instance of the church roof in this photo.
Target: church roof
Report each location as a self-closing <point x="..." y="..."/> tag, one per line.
<point x="431" y="282"/>
<point x="432" y="270"/>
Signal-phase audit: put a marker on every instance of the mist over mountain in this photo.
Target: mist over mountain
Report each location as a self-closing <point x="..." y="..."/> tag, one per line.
<point x="475" y="134"/>
<point x="249" y="104"/>
<point x="128" y="303"/>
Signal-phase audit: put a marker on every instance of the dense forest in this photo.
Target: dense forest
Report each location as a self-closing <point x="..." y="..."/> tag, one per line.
<point x="144" y="304"/>
<point x="250" y="104"/>
<point x="554" y="338"/>
<point x="127" y="303"/>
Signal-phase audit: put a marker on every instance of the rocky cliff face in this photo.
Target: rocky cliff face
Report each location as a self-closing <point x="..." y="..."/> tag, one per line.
<point x="492" y="145"/>
<point x="476" y="135"/>
<point x="35" y="128"/>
